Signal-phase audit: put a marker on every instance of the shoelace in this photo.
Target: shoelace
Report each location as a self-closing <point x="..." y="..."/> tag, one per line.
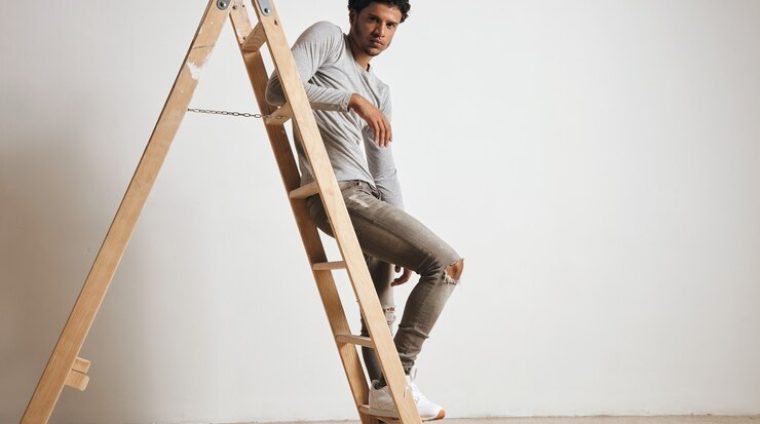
<point x="416" y="394"/>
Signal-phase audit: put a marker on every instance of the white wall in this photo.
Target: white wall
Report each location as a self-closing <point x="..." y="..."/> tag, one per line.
<point x="596" y="162"/>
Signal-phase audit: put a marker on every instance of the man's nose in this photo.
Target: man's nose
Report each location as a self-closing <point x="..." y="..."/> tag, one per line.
<point x="380" y="30"/>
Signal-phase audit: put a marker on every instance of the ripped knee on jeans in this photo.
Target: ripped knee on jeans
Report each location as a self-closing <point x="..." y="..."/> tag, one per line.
<point x="454" y="271"/>
<point x="390" y="314"/>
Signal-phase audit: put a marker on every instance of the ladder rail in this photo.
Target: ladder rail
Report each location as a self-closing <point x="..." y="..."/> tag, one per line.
<point x="335" y="208"/>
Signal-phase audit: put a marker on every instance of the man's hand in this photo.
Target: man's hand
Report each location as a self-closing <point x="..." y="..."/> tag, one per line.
<point x="403" y="278"/>
<point x="375" y="118"/>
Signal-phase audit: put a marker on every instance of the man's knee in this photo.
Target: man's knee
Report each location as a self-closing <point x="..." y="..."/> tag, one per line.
<point x="454" y="271"/>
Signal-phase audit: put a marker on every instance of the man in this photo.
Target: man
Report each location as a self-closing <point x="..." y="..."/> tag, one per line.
<point x="352" y="108"/>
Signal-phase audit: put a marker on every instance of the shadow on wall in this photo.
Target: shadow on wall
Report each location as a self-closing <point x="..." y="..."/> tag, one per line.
<point x="57" y="201"/>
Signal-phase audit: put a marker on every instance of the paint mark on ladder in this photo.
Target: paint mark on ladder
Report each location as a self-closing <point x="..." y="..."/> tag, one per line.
<point x="195" y="70"/>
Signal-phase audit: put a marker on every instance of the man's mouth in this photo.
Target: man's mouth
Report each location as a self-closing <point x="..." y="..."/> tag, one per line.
<point x="375" y="43"/>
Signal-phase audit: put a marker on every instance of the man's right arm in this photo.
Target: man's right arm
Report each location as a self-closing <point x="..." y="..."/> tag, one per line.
<point x="375" y="118"/>
<point x="319" y="44"/>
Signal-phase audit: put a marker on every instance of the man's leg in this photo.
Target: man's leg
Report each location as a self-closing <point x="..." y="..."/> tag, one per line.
<point x="393" y="236"/>
<point x="382" y="275"/>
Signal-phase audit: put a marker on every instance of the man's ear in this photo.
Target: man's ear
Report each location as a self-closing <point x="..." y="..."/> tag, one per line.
<point x="351" y="16"/>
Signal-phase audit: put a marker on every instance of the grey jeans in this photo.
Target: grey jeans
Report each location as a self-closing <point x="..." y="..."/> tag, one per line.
<point x="389" y="236"/>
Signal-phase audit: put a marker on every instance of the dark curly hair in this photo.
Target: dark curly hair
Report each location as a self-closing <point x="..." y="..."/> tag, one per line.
<point x="402" y="5"/>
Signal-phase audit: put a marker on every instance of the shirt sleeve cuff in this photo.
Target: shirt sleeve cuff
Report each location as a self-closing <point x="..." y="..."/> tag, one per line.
<point x="344" y="101"/>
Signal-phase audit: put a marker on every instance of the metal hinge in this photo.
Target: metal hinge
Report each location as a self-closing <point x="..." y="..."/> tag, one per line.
<point x="265" y="7"/>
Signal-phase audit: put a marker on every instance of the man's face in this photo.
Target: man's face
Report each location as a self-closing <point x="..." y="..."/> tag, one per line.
<point x="373" y="28"/>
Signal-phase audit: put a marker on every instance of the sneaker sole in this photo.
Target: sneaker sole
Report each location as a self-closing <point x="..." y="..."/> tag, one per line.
<point x="391" y="415"/>
<point x="441" y="415"/>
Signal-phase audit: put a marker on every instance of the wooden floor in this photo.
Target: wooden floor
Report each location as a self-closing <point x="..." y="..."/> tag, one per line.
<point x="687" y="419"/>
<point x="704" y="419"/>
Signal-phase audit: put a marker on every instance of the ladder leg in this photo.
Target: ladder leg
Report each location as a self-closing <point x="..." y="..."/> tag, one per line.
<point x="64" y="367"/>
<point x="309" y="233"/>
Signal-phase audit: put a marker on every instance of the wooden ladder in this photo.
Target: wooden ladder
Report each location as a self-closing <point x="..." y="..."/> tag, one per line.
<point x="66" y="368"/>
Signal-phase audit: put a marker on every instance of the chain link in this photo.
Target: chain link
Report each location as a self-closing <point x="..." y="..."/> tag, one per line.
<point x="226" y="113"/>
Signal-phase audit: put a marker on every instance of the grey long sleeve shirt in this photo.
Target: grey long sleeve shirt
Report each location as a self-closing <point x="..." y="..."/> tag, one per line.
<point x="331" y="75"/>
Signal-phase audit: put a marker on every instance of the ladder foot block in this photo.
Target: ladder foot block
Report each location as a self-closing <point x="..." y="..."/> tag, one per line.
<point x="77" y="377"/>
<point x="77" y="380"/>
<point x="82" y="365"/>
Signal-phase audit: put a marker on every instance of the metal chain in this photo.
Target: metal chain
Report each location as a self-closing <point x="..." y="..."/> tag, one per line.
<point x="226" y="113"/>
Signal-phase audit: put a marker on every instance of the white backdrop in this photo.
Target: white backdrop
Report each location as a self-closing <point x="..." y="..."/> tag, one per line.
<point x="596" y="162"/>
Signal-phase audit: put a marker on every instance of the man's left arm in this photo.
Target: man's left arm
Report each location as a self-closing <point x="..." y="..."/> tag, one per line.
<point x="381" y="163"/>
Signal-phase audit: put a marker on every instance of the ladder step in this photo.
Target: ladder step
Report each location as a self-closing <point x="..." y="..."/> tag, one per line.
<point x="280" y="116"/>
<point x="357" y="340"/>
<point x="388" y="420"/>
<point x="254" y="40"/>
<point x="304" y="191"/>
<point x="328" y="266"/>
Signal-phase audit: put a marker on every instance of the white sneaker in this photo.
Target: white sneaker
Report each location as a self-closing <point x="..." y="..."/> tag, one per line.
<point x="381" y="404"/>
